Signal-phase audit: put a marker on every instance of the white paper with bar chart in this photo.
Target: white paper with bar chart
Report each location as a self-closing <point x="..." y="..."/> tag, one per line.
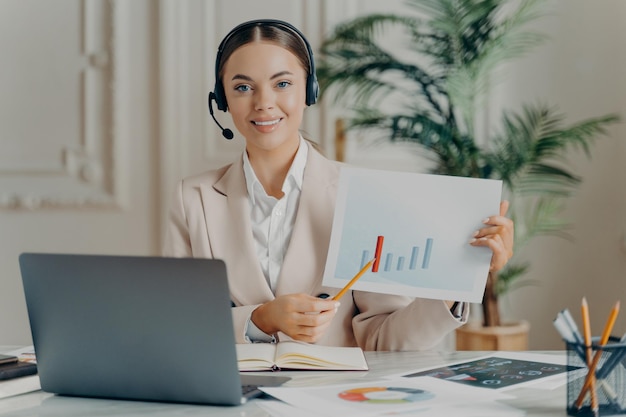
<point x="418" y="227"/>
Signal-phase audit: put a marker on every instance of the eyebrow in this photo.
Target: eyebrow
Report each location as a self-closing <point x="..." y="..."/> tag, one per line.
<point x="247" y="78"/>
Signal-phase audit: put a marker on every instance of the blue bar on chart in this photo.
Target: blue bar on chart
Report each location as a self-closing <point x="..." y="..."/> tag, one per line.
<point x="388" y="261"/>
<point x="414" y="254"/>
<point x="365" y="258"/>
<point x="427" y="251"/>
<point x="400" y="263"/>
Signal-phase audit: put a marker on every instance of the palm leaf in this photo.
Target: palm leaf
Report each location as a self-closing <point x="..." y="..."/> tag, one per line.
<point x="526" y="155"/>
<point x="508" y="274"/>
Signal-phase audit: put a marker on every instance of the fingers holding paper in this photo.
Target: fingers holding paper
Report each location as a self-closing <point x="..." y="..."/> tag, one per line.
<point x="300" y="316"/>
<point x="498" y="236"/>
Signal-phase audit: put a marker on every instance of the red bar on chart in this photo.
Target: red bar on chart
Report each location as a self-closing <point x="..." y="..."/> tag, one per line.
<point x="378" y="252"/>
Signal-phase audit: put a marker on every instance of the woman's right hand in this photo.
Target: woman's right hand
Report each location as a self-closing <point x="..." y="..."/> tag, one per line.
<point x="300" y="316"/>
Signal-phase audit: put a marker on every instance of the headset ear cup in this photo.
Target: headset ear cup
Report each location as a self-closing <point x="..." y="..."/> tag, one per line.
<point x="312" y="90"/>
<point x="220" y="99"/>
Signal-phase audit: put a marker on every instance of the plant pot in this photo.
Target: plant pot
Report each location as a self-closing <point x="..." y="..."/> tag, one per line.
<point x="510" y="336"/>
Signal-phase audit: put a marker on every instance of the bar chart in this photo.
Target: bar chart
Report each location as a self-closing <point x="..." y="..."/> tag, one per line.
<point x="391" y="261"/>
<point x="416" y="228"/>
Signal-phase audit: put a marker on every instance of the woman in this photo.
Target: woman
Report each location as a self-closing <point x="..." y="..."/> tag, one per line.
<point x="269" y="214"/>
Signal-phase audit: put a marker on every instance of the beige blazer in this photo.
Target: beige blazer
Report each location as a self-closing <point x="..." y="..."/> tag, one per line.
<point x="210" y="218"/>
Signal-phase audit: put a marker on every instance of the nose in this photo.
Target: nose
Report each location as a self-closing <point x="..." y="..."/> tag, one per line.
<point x="264" y="99"/>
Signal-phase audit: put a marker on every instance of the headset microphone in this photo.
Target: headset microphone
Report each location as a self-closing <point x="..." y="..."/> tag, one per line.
<point x="227" y="133"/>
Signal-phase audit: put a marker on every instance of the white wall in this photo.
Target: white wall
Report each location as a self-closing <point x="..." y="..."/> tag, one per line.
<point x="91" y="147"/>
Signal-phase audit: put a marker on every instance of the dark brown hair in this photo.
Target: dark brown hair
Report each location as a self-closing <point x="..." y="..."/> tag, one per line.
<point x="280" y="35"/>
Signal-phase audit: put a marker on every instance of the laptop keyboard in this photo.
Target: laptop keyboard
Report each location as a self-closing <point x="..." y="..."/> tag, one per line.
<point x="248" y="389"/>
<point x="250" y="384"/>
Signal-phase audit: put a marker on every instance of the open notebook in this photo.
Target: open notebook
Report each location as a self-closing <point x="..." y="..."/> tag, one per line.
<point x="142" y="328"/>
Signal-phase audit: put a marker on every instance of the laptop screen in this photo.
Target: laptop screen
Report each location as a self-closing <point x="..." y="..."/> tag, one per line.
<point x="147" y="328"/>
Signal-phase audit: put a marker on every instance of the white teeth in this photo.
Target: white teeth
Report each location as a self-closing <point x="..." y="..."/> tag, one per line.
<point x="268" y="123"/>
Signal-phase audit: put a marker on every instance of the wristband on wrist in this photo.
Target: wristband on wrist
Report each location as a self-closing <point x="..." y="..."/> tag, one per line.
<point x="457" y="309"/>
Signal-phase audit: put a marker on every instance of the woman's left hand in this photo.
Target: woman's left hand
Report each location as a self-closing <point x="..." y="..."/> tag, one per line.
<point x="498" y="236"/>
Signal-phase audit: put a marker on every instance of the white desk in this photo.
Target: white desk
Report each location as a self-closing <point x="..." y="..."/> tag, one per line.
<point x="535" y="402"/>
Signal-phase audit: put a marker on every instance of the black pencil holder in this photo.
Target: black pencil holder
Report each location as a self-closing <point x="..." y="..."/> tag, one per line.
<point x="610" y="381"/>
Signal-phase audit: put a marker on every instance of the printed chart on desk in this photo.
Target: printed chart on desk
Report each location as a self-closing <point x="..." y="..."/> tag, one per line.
<point x="499" y="372"/>
<point x="418" y="226"/>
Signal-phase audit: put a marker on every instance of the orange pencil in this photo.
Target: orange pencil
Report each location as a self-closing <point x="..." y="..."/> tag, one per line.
<point x="353" y="280"/>
<point x="596" y="358"/>
<point x="587" y="337"/>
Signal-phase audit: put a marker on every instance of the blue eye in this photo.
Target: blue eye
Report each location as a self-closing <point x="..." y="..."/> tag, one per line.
<point x="242" y="88"/>
<point x="283" y="84"/>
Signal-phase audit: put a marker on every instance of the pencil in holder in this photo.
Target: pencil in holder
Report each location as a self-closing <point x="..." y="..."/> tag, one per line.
<point x="608" y="386"/>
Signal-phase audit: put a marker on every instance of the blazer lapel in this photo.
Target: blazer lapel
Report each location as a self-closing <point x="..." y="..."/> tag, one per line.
<point x="227" y="214"/>
<point x="305" y="259"/>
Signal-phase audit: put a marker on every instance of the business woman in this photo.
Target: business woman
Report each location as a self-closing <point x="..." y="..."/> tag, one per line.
<point x="269" y="214"/>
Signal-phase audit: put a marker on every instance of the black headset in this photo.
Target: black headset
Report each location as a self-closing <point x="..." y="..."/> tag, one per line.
<point x="312" y="86"/>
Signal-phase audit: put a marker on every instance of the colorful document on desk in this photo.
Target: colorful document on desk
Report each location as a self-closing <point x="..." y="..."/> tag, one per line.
<point x="423" y="396"/>
<point x="418" y="227"/>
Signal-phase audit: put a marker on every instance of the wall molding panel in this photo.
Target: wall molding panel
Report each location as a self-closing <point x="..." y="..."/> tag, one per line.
<point x="66" y="160"/>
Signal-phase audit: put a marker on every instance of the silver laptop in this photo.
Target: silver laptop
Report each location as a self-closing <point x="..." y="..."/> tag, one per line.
<point x="140" y="328"/>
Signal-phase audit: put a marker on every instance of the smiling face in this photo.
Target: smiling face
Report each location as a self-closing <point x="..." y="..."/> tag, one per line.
<point x="265" y="87"/>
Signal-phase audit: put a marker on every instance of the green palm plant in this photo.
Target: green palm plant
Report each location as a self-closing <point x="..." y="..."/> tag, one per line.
<point x="429" y="94"/>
